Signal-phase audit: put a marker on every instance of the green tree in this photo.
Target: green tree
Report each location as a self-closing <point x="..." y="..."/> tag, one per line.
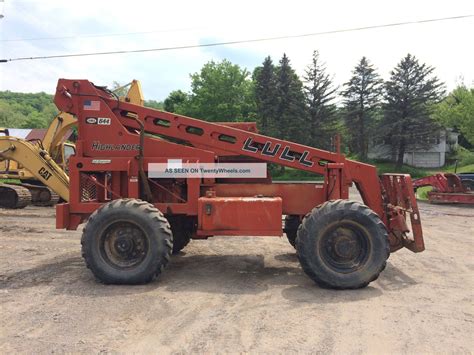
<point x="362" y="98"/>
<point x="264" y="79"/>
<point x="21" y="110"/>
<point x="220" y="92"/>
<point x="290" y="116"/>
<point x="175" y="101"/>
<point x="320" y="94"/>
<point x="154" y="104"/>
<point x="457" y="111"/>
<point x="9" y="117"/>
<point x="34" y="120"/>
<point x="410" y="96"/>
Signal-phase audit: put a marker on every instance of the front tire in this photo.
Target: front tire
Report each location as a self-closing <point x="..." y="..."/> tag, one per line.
<point x="182" y="228"/>
<point x="342" y="244"/>
<point x="127" y="241"/>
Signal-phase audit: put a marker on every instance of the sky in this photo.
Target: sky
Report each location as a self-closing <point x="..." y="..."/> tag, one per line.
<point x="49" y="27"/>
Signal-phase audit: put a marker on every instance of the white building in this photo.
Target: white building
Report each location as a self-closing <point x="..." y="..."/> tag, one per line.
<point x="433" y="157"/>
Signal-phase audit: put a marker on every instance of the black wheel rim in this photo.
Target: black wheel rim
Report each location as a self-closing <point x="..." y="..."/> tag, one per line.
<point x="124" y="245"/>
<point x="345" y="246"/>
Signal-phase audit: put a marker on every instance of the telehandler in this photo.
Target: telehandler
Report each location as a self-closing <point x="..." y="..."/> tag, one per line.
<point x="135" y="220"/>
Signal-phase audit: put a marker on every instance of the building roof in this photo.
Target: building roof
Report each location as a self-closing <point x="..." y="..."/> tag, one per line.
<point x="36" y="134"/>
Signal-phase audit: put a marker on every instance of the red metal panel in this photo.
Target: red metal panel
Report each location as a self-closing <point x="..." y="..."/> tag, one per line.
<point x="62" y="215"/>
<point x="452" y="197"/>
<point x="297" y="198"/>
<point x="240" y="215"/>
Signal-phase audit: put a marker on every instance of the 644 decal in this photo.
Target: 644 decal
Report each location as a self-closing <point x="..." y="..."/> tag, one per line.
<point x="103" y="121"/>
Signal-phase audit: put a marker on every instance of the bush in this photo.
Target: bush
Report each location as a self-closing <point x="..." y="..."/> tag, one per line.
<point x="464" y="156"/>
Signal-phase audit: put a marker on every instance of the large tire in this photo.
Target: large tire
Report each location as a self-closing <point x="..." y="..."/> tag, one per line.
<point x="127" y="241"/>
<point x="292" y="222"/>
<point x="182" y="228"/>
<point x="343" y="245"/>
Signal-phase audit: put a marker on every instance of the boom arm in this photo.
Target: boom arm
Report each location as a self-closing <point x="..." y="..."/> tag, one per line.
<point x="39" y="163"/>
<point x="225" y="140"/>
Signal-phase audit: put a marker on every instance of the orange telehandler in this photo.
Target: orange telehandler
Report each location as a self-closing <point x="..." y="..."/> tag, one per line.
<point x="135" y="219"/>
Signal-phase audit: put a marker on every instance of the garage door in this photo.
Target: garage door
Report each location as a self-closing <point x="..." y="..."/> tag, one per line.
<point x="427" y="159"/>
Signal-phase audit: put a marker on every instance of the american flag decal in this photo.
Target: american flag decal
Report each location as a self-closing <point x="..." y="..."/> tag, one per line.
<point x="92" y="105"/>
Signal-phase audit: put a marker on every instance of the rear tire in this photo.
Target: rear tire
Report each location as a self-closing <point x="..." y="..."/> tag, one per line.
<point x="292" y="222"/>
<point x="342" y="244"/>
<point x="127" y="241"/>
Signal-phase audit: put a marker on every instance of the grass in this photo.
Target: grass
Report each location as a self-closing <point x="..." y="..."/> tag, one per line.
<point x="422" y="192"/>
<point x="10" y="181"/>
<point x="384" y="167"/>
<point x="463" y="169"/>
<point x="291" y="174"/>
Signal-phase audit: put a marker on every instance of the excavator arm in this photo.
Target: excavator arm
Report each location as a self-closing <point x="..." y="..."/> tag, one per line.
<point x="57" y="130"/>
<point x="39" y="163"/>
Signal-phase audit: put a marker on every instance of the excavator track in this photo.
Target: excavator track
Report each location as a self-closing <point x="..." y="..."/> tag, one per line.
<point x="42" y="195"/>
<point x="14" y="196"/>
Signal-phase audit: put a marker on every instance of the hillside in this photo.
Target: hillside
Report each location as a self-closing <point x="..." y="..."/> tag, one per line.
<point x="20" y="110"/>
<point x="26" y="110"/>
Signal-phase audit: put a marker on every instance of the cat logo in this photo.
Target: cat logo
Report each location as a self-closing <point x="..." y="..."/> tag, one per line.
<point x="45" y="174"/>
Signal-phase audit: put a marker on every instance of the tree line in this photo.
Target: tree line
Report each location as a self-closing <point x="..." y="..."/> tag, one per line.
<point x="402" y="113"/>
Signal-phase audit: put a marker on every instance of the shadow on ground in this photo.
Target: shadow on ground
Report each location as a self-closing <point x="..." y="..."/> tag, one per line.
<point x="221" y="274"/>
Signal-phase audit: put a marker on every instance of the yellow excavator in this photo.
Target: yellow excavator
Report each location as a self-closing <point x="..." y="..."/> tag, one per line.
<point x="41" y="166"/>
<point x="19" y="164"/>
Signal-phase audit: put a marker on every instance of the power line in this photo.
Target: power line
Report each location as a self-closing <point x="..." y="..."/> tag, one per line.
<point x="265" y="39"/>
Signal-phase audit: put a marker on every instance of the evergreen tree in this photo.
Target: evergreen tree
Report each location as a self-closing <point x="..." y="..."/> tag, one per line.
<point x="410" y="94"/>
<point x="290" y="115"/>
<point x="320" y="93"/>
<point x="362" y="99"/>
<point x="264" y="79"/>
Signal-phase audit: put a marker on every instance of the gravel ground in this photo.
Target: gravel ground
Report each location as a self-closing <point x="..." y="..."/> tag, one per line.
<point x="234" y="294"/>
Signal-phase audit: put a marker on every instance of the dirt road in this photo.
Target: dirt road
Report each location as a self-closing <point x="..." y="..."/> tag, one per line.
<point x="234" y="294"/>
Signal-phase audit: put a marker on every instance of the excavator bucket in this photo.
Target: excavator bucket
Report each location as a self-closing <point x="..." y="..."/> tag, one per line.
<point x="400" y="203"/>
